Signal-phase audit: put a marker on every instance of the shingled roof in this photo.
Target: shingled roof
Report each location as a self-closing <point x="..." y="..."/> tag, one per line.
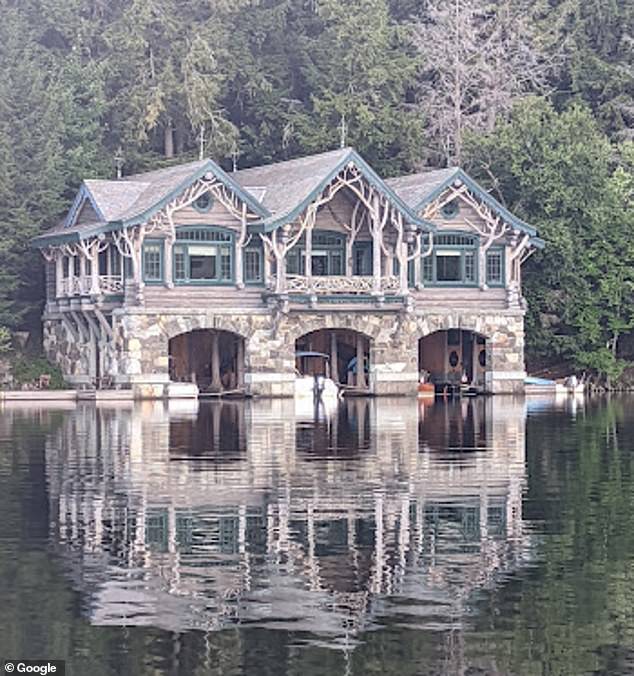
<point x="414" y="188"/>
<point x="277" y="193"/>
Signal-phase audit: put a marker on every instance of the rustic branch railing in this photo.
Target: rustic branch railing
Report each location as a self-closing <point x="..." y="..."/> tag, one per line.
<point x="82" y="286"/>
<point x="336" y="284"/>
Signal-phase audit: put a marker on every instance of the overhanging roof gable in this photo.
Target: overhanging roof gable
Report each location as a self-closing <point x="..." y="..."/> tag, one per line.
<point x="304" y="188"/>
<point x="475" y="188"/>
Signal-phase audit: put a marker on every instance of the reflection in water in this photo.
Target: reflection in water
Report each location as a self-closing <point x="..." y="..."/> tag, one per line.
<point x="241" y="513"/>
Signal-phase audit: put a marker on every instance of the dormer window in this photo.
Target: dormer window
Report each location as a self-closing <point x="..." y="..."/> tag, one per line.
<point x="450" y="210"/>
<point x="204" y="203"/>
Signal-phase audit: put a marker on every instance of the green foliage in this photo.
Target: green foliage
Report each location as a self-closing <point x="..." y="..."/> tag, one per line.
<point x="5" y="340"/>
<point x="559" y="172"/>
<point x="27" y="369"/>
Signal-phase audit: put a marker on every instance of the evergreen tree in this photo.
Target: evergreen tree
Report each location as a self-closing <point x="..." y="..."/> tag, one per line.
<point x="359" y="72"/>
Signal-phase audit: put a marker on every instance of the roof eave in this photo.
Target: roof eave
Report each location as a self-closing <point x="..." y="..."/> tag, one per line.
<point x="273" y="222"/>
<point x="210" y="165"/>
<point x="484" y="196"/>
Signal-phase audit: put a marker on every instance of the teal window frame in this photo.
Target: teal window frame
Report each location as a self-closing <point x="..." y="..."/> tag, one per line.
<point x="457" y="244"/>
<point x="161" y="261"/>
<point x="260" y="254"/>
<point x="362" y="253"/>
<point x="295" y="259"/>
<point x="496" y="251"/>
<point x="208" y="207"/>
<point x="203" y="235"/>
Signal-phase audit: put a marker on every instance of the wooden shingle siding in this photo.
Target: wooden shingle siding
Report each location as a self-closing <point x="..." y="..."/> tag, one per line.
<point x="87" y="214"/>
<point x="208" y="297"/>
<point x="217" y="215"/>
<point x="462" y="297"/>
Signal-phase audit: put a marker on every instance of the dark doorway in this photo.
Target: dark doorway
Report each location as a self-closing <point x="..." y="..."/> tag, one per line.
<point x="212" y="359"/>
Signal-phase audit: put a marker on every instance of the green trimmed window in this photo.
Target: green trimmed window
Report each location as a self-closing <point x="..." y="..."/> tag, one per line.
<point x="328" y="255"/>
<point x="152" y="261"/>
<point x="453" y="262"/>
<point x="203" y="255"/>
<point x="495" y="267"/>
<point x="253" y="265"/>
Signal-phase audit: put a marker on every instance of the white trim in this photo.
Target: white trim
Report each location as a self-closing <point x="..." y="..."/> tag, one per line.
<point x="269" y="378"/>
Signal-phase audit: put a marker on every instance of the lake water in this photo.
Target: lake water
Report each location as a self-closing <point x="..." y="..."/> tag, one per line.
<point x="486" y="536"/>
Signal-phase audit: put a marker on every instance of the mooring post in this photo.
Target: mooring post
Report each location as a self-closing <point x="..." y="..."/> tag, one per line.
<point x="360" y="362"/>
<point x="215" y="362"/>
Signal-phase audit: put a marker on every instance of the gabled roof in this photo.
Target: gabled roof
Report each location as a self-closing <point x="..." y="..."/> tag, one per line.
<point x="418" y="190"/>
<point x="277" y="193"/>
<point x="287" y="188"/>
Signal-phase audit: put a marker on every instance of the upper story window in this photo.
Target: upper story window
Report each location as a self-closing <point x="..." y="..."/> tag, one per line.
<point x="152" y="261"/>
<point x="203" y="255"/>
<point x="204" y="203"/>
<point x="495" y="267"/>
<point x="450" y="210"/>
<point x="328" y="255"/>
<point x="453" y="261"/>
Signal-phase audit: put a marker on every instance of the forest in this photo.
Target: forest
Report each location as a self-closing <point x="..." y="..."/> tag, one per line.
<point x="534" y="98"/>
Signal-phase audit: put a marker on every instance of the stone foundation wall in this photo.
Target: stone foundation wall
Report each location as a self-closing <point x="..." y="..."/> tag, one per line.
<point x="137" y="356"/>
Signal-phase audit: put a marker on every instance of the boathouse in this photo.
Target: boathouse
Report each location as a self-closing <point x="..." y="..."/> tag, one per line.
<point x="237" y="281"/>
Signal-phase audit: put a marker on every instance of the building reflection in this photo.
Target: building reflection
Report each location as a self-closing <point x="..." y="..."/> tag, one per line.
<point x="188" y="517"/>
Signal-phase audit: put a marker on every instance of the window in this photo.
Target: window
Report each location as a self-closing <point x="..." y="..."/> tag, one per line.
<point x="453" y="262"/>
<point x="448" y="266"/>
<point x="203" y="255"/>
<point x="153" y="261"/>
<point x="76" y="266"/>
<point x="252" y="265"/>
<point x="495" y="267"/>
<point x="428" y="269"/>
<point x="362" y="258"/>
<point x="328" y="255"/>
<point x="204" y="203"/>
<point x="450" y="210"/>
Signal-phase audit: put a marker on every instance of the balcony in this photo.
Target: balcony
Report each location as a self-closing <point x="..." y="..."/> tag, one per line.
<point x="107" y="285"/>
<point x="338" y="284"/>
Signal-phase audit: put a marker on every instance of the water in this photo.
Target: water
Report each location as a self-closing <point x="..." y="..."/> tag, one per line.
<point x="489" y="536"/>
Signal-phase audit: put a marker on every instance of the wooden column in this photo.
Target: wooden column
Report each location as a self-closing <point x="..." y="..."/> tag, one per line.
<point x="95" y="287"/>
<point x="418" y="277"/>
<point x="82" y="272"/>
<point x="239" y="257"/>
<point x="168" y="271"/>
<point x="70" y="289"/>
<point x="59" y="275"/>
<point x="360" y="362"/>
<point x="215" y="362"/>
<point x="308" y="262"/>
<point x="403" y="269"/>
<point x="376" y="248"/>
<point x="240" y="363"/>
<point x="334" y="367"/>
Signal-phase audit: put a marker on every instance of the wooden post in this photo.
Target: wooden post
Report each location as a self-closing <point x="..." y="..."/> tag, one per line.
<point x="267" y="267"/>
<point x="360" y="362"/>
<point x="334" y="367"/>
<point x="59" y="275"/>
<point x="82" y="273"/>
<point x="418" y="279"/>
<point x="70" y="289"/>
<point x="168" y="271"/>
<point x="95" y="287"/>
<point x="240" y="363"/>
<point x="240" y="242"/>
<point x="376" y="247"/>
<point x="216" y="384"/>
<point x="403" y="269"/>
<point x="308" y="262"/>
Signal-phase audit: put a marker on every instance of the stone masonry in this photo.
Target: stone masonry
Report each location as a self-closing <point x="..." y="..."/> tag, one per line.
<point x="137" y="354"/>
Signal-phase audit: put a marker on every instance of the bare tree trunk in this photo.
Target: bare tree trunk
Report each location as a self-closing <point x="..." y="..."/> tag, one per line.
<point x="168" y="140"/>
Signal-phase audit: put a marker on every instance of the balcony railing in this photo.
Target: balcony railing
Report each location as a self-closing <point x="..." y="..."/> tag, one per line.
<point x="338" y="284"/>
<point x="82" y="286"/>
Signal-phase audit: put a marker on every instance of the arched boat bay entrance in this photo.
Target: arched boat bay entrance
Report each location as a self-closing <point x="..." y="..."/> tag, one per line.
<point x="212" y="359"/>
<point x="454" y="358"/>
<point x="336" y="354"/>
